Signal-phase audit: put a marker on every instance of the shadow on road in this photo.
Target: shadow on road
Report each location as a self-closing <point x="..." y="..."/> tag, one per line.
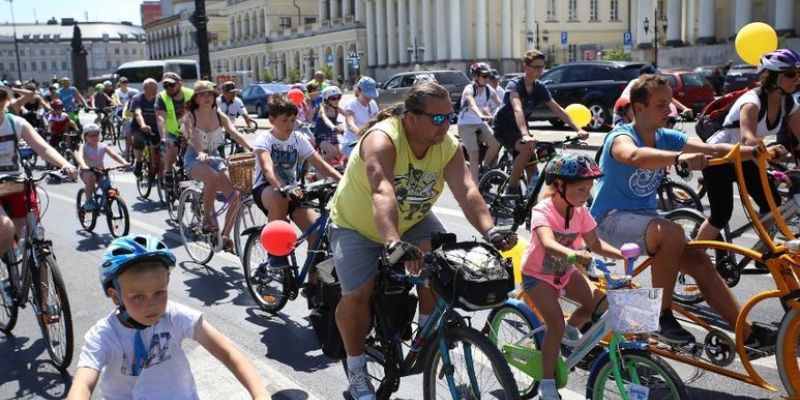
<point x="214" y="285"/>
<point x="35" y="378"/>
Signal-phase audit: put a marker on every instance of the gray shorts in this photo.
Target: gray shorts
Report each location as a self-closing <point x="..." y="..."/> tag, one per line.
<point x="214" y="160"/>
<point x="620" y="227"/>
<point x="356" y="258"/>
<point x="471" y="133"/>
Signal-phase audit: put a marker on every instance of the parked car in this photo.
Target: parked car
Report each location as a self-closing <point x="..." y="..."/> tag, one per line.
<point x="690" y="88"/>
<point x="256" y="96"/>
<point x="739" y="77"/>
<point x="393" y="90"/>
<point x="595" y="84"/>
<point x="713" y="74"/>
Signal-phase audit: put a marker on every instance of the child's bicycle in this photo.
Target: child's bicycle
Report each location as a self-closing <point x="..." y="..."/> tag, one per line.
<point x="106" y="200"/>
<point x="625" y="369"/>
<point x="151" y="177"/>
<point x="31" y="276"/>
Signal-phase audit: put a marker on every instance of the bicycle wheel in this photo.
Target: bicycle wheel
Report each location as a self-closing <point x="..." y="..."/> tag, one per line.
<point x="476" y="365"/>
<point x="267" y="286"/>
<point x="686" y="290"/>
<point x="58" y="335"/>
<point x="159" y="185"/>
<point x="190" y="222"/>
<point x="248" y="216"/>
<point x="674" y="195"/>
<point x="143" y="183"/>
<point x="9" y="308"/>
<point x="88" y="219"/>
<point x="653" y="373"/>
<point x="788" y="352"/>
<point x="507" y="326"/>
<point x="119" y="222"/>
<point x="491" y="186"/>
<point x="171" y="200"/>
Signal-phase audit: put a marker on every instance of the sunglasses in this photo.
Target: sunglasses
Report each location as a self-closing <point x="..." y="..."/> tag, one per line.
<point x="439" y="119"/>
<point x="791" y="74"/>
<point x="168" y="85"/>
<point x="334" y="98"/>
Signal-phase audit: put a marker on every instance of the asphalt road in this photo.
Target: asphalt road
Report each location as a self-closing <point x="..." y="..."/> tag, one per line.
<point x="282" y="347"/>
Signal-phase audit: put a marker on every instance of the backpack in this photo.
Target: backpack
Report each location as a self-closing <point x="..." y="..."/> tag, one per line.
<point x="711" y="119"/>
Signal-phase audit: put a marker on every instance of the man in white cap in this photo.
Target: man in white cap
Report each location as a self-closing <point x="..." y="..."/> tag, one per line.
<point x="358" y="111"/>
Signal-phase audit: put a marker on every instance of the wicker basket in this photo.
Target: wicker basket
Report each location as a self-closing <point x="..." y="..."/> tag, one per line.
<point x="240" y="167"/>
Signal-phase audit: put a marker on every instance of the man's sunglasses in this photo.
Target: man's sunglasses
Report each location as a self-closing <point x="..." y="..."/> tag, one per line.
<point x="334" y="98"/>
<point x="439" y="119"/>
<point x="168" y="85"/>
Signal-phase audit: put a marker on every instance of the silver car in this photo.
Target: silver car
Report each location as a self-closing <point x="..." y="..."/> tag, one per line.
<point x="393" y="90"/>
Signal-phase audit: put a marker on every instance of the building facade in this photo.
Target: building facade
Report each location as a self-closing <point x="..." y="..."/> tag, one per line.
<point x="44" y="49"/>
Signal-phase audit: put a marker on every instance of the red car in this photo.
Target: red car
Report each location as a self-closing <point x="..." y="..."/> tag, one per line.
<point x="690" y="88"/>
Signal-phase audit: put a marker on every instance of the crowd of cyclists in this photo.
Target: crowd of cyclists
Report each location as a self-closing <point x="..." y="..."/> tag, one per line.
<point x="391" y="166"/>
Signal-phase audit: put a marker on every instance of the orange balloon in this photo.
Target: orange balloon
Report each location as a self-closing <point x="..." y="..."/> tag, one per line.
<point x="278" y="238"/>
<point x="296" y="96"/>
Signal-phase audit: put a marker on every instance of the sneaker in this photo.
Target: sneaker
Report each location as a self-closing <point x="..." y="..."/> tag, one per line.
<point x="512" y="191"/>
<point x="88" y="205"/>
<point x="761" y="341"/>
<point x="548" y="390"/>
<point x="671" y="330"/>
<point x="137" y="169"/>
<point x="276" y="262"/>
<point x="360" y="387"/>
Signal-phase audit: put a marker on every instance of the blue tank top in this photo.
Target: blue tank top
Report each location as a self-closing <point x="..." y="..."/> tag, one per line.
<point x="67" y="96"/>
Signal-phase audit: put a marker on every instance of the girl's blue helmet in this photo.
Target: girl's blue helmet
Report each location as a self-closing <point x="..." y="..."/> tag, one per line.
<point x="127" y="250"/>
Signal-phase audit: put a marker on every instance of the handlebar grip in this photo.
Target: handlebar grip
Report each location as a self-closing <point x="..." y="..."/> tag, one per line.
<point x="630" y="250"/>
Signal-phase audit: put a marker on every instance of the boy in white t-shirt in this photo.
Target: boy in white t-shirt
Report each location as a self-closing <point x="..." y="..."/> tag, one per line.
<point x="135" y="352"/>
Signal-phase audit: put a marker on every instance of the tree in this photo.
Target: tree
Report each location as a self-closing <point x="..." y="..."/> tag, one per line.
<point x="618" y="54"/>
<point x="266" y="76"/>
<point x="293" y="75"/>
<point x="328" y="70"/>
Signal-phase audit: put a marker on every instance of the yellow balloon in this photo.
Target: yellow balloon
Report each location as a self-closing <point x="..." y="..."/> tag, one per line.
<point x="579" y="114"/>
<point x="754" y="40"/>
<point x="515" y="254"/>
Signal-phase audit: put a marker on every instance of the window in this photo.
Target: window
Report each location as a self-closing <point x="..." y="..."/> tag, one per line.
<point x="64" y="65"/>
<point x="394" y="83"/>
<point x="108" y="64"/>
<point x="694" y="80"/>
<point x="54" y="65"/>
<point x="41" y="52"/>
<point x="33" y="65"/>
<point x="12" y="66"/>
<point x="125" y="51"/>
<point x="52" y="52"/>
<point x="285" y="22"/>
<point x="573" y="10"/>
<point x="593" y="15"/>
<point x="614" y="10"/>
<point x="602" y="74"/>
<point x="116" y="51"/>
<point x="2" y="65"/>
<point x="553" y="76"/>
<point x="310" y="20"/>
<point x="671" y="80"/>
<point x="44" y="65"/>
<point x="551" y="10"/>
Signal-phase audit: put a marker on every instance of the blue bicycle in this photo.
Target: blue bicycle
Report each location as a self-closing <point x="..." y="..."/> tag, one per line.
<point x="271" y="288"/>
<point x="106" y="200"/>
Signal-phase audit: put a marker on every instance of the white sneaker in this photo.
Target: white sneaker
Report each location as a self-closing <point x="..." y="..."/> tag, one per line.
<point x="360" y="386"/>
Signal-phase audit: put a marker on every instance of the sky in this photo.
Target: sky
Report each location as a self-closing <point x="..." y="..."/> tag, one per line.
<point x="98" y="10"/>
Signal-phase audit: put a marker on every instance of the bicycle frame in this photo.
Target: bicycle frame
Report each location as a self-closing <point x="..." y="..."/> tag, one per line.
<point x="319" y="226"/>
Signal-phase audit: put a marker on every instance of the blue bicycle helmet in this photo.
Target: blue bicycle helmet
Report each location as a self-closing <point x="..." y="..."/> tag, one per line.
<point x="125" y="251"/>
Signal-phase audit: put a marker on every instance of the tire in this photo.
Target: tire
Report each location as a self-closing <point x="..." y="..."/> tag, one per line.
<point x="508" y="325"/>
<point x="491" y="185"/>
<point x="9" y="308"/>
<point x="557" y="123"/>
<point x="502" y="385"/>
<point x="58" y="336"/>
<point x="190" y="223"/>
<point x="260" y="111"/>
<point x="143" y="185"/>
<point x="686" y="290"/>
<point x="249" y="215"/>
<point x="119" y="222"/>
<point x="268" y="288"/>
<point x="88" y="219"/>
<point x="673" y="195"/>
<point x="601" y="118"/>
<point x="159" y="188"/>
<point x="666" y="384"/>
<point x="171" y="201"/>
<point x="788" y="352"/>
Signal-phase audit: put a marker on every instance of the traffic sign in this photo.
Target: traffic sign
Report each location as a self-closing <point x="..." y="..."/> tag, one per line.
<point x="627" y="42"/>
<point x="330" y="59"/>
<point x="564" y="40"/>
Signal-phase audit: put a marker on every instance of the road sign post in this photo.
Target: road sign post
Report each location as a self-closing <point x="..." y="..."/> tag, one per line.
<point x="564" y="40"/>
<point x="627" y="42"/>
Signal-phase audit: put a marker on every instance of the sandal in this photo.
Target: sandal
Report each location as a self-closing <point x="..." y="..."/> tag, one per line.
<point x="228" y="245"/>
<point x="209" y="226"/>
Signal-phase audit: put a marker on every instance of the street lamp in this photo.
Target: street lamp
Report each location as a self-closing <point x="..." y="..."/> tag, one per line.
<point x="655" y="32"/>
<point x="16" y="46"/>
<point x="355" y="58"/>
<point x="545" y="34"/>
<point x="415" y="51"/>
<point x="308" y="55"/>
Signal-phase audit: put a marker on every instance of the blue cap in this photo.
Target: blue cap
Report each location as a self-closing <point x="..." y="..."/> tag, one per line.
<point x="368" y="87"/>
<point x="647" y="69"/>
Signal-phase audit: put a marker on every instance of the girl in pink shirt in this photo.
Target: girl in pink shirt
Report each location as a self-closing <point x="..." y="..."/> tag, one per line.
<point x="560" y="223"/>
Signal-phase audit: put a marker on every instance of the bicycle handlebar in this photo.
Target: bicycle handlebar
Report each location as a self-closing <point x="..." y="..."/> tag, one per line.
<point x="22" y="178"/>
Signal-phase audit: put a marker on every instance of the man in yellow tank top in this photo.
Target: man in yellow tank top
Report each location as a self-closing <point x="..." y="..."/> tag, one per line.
<point x="383" y="203"/>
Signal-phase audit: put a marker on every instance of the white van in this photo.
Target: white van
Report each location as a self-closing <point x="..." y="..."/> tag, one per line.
<point x="138" y="71"/>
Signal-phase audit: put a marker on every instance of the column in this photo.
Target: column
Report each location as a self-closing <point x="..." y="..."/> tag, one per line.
<point x="380" y="21"/>
<point x="267" y="26"/>
<point x="784" y="14"/>
<point x="413" y="29"/>
<point x="480" y="30"/>
<point x="334" y="11"/>
<point x="402" y="31"/>
<point x="674" y="22"/>
<point x="530" y="18"/>
<point x="391" y="31"/>
<point x="346" y="11"/>
<point x="322" y="14"/>
<point x="705" y="26"/>
<point x="441" y="34"/>
<point x="743" y="15"/>
<point x="455" y="30"/>
<point x="359" y="14"/>
<point x="505" y="37"/>
<point x="645" y="10"/>
<point x="689" y="37"/>
<point x="427" y="34"/>
<point x="372" y="50"/>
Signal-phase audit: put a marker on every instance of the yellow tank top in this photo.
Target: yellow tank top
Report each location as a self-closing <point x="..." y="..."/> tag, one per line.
<point x="417" y="183"/>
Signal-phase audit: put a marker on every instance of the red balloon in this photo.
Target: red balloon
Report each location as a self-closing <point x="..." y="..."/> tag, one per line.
<point x="278" y="238"/>
<point x="296" y="96"/>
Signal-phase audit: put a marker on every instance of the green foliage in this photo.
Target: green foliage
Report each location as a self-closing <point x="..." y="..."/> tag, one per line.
<point x="266" y="76"/>
<point x="618" y="54"/>
<point x="328" y="70"/>
<point x="293" y="75"/>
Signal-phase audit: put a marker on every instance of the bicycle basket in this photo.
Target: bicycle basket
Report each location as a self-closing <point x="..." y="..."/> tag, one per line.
<point x="635" y="310"/>
<point x="471" y="275"/>
<point x="240" y="167"/>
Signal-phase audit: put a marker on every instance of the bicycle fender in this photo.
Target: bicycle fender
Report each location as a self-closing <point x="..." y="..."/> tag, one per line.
<point x="253" y="229"/>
